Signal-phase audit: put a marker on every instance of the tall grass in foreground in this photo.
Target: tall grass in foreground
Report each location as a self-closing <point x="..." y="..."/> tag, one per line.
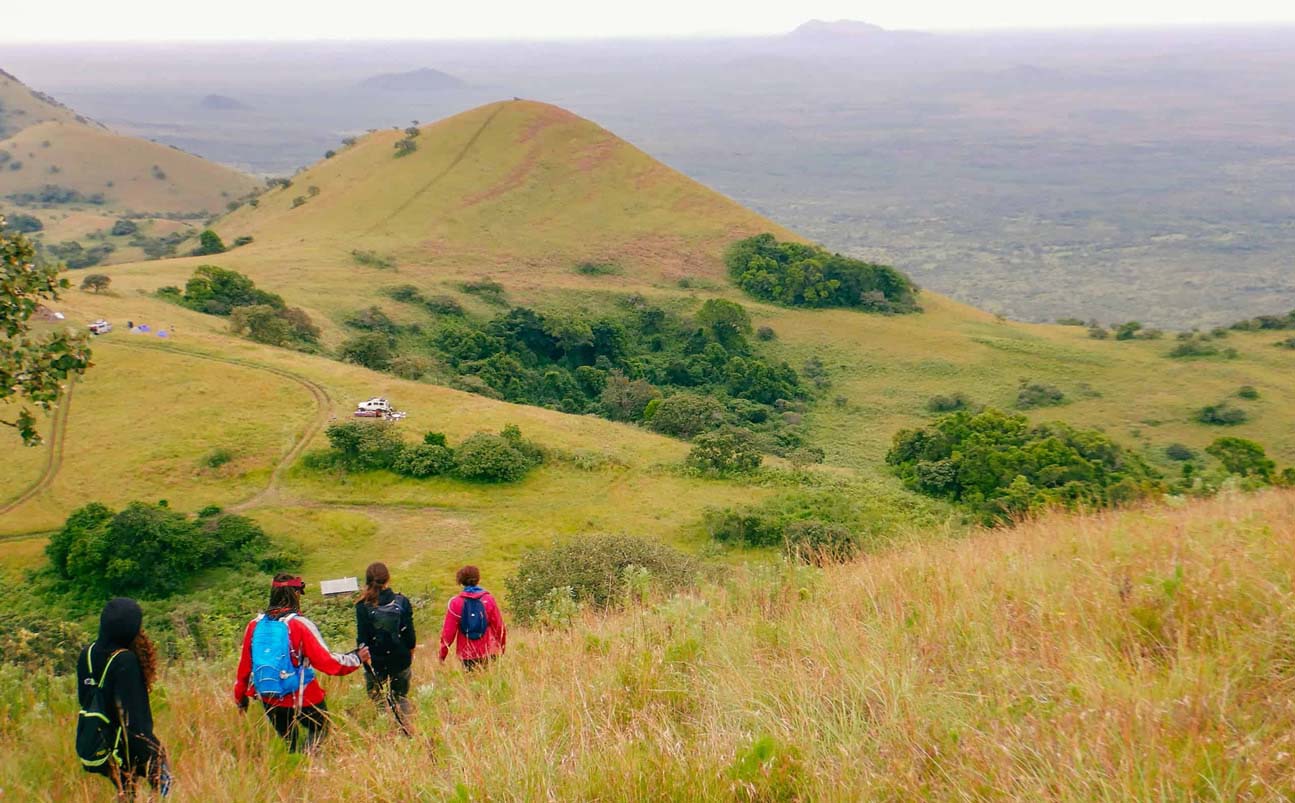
<point x="1143" y="655"/>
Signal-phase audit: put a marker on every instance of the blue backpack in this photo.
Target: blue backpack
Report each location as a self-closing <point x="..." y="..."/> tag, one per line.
<point x="273" y="672"/>
<point x="472" y="621"/>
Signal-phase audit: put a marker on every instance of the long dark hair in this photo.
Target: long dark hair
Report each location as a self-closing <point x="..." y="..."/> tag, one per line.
<point x="146" y="654"/>
<point x="376" y="578"/>
<point x="284" y="594"/>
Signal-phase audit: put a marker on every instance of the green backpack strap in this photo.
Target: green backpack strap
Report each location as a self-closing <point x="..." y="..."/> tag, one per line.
<point x="98" y="690"/>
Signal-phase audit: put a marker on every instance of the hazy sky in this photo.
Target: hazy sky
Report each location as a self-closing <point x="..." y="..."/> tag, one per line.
<point x="34" y="20"/>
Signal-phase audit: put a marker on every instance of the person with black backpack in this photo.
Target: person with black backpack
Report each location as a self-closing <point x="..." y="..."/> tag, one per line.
<point x="384" y="622"/>
<point x="473" y="623"/>
<point x="114" y="729"/>
<point x="281" y="652"/>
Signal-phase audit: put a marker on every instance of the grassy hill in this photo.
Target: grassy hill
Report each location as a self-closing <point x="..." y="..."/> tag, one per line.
<point x="1133" y="656"/>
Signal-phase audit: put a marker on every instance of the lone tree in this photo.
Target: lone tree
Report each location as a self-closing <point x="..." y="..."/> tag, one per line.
<point x="209" y="242"/>
<point x="97" y="282"/>
<point x="32" y="367"/>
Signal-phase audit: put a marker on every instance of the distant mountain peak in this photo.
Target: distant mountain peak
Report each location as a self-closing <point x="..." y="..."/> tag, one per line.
<point x="838" y="28"/>
<point x="424" y="79"/>
<point x="222" y="103"/>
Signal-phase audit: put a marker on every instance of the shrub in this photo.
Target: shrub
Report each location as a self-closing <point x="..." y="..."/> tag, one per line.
<point x="594" y="568"/>
<point x="598" y="269"/>
<point x="1179" y="452"/>
<point x="1000" y="466"/>
<point x="424" y="460"/>
<point x="123" y="228"/>
<point x="239" y="242"/>
<point x="685" y="415"/>
<point x="484" y="457"/>
<point x="373" y="259"/>
<point x="1037" y="394"/>
<point x="217" y="458"/>
<point x="372" y="319"/>
<point x="1222" y="414"/>
<point x="289" y="327"/>
<point x="948" y="404"/>
<point x="19" y="223"/>
<point x="1242" y="457"/>
<point x="765" y="333"/>
<point x="443" y="305"/>
<point x="1249" y="392"/>
<point x="625" y="399"/>
<point x="411" y="366"/>
<point x="487" y="290"/>
<point x="299" y="201"/>
<point x="1288" y="343"/>
<point x="96" y="282"/>
<point x="371" y="349"/>
<point x="727" y="451"/>
<point x="801" y="275"/>
<point x="1071" y="322"/>
<point x="217" y="291"/>
<point x="820" y="542"/>
<point x="365" y="445"/>
<point x="209" y="242"/>
<point x="405" y="146"/>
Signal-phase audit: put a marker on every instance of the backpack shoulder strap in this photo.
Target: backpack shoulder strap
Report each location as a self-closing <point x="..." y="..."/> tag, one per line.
<point x="89" y="658"/>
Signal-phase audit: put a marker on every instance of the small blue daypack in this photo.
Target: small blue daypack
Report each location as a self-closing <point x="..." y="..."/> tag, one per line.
<point x="273" y="672"/>
<point x="472" y="620"/>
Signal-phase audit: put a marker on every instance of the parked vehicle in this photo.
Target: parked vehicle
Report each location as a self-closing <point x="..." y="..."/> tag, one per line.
<point x="100" y="327"/>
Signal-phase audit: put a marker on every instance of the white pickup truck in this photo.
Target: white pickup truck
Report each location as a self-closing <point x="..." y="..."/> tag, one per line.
<point x="100" y="327"/>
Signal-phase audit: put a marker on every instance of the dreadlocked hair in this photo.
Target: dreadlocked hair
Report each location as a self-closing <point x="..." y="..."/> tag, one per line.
<point x="376" y="578"/>
<point x="146" y="654"/>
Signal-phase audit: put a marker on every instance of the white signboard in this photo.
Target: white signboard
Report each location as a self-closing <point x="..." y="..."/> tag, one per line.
<point x="333" y="588"/>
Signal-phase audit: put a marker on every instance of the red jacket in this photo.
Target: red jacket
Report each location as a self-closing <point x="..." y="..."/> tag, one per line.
<point x="492" y="643"/>
<point x="307" y="645"/>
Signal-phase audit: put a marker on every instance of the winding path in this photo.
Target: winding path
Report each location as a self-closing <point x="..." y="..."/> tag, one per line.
<point x="58" y="431"/>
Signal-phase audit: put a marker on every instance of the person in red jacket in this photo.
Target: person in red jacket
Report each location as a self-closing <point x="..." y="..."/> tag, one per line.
<point x="309" y="653"/>
<point x="475" y="642"/>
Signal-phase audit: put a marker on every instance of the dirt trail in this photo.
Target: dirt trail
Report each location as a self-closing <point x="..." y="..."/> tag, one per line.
<point x="53" y="459"/>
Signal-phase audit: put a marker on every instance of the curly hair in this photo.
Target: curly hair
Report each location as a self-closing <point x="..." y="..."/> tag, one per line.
<point x="468" y="576"/>
<point x="146" y="654"/>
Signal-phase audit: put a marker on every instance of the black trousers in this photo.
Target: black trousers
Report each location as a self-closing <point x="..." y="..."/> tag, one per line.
<point x="393" y="689"/>
<point x="313" y="719"/>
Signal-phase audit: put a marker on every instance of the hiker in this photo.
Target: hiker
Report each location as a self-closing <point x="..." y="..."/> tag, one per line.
<point x="282" y="650"/>
<point x="473" y="623"/>
<point x="114" y="730"/>
<point x="384" y="622"/>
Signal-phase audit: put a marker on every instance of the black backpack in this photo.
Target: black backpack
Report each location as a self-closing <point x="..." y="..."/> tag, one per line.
<point x="388" y="624"/>
<point x="98" y="735"/>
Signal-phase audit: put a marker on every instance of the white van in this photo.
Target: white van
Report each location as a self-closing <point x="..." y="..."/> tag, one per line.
<point x="100" y="327"/>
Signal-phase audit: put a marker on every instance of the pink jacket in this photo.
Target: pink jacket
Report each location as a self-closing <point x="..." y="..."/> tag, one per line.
<point x="492" y="643"/>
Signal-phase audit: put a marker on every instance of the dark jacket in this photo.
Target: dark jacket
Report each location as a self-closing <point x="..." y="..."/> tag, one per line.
<point x="123" y="684"/>
<point x="400" y="659"/>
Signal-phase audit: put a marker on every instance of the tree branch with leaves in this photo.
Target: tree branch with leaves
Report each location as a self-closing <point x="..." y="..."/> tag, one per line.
<point x="33" y="367"/>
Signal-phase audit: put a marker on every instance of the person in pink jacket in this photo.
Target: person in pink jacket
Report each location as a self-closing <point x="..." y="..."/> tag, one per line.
<point x="473" y="623"/>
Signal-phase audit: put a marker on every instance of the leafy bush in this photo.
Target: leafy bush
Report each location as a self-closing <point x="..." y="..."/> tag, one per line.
<point x="1179" y="452"/>
<point x="801" y="275"/>
<point x="594" y="568"/>
<point x="1037" y="394"/>
<point x="217" y="458"/>
<point x="1248" y="392"/>
<point x="54" y="195"/>
<point x="484" y="457"/>
<point x="286" y="327"/>
<point x="149" y="550"/>
<point x="765" y="333"/>
<point x="372" y="319"/>
<point x="727" y="451"/>
<point x="1201" y="346"/>
<point x="598" y="269"/>
<point x="365" y="445"/>
<point x="405" y="146"/>
<point x="19" y="223"/>
<point x="371" y="349"/>
<point x="999" y="466"/>
<point x="209" y="243"/>
<point x="123" y="227"/>
<point x="948" y="404"/>
<point x="1267" y="322"/>
<point x="820" y="542"/>
<point x="1222" y="414"/>
<point x="1242" y="457"/>
<point x="766" y="524"/>
<point x="487" y="290"/>
<point x="423" y="460"/>
<point x="685" y="415"/>
<point x="1288" y="343"/>
<point x="373" y="259"/>
<point x="624" y="399"/>
<point x="217" y="291"/>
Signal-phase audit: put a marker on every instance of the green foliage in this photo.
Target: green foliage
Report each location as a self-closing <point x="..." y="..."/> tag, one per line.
<point x="999" y="466"/>
<point x="217" y="291"/>
<point x="1179" y="452"/>
<point x="372" y="350"/>
<point x="217" y="458"/>
<point x="801" y="275"/>
<point x="1224" y="414"/>
<point x="488" y="290"/>
<point x="767" y="770"/>
<point x="624" y="399"/>
<point x="149" y="550"/>
<point x="765" y="333"/>
<point x="54" y="195"/>
<point x="405" y="146"/>
<point x="1201" y="346"/>
<point x="948" y="404"/>
<point x="592" y="570"/>
<point x="809" y="525"/>
<point x="209" y="243"/>
<point x="96" y="282"/>
<point x="123" y="228"/>
<point x="1267" y="323"/>
<point x="21" y="224"/>
<point x="33" y="368"/>
<point x="598" y="269"/>
<point x="372" y="319"/>
<point x="362" y="445"/>
<point x="1248" y="392"/>
<point x="288" y="327"/>
<point x="484" y="457"/>
<point x="422" y="460"/>
<point x="1242" y="457"/>
<point x="1288" y="343"/>
<point x="77" y="256"/>
<point x="820" y="542"/>
<point x="685" y="415"/>
<point x="727" y="451"/>
<point x="1038" y="394"/>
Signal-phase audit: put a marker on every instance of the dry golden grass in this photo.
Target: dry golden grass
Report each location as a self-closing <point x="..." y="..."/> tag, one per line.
<point x="1142" y="655"/>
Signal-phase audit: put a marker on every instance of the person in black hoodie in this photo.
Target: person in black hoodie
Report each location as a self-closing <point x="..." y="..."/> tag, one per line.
<point x="122" y="663"/>
<point x="384" y="620"/>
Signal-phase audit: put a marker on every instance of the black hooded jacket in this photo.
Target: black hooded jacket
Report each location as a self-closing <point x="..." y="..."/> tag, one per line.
<point x="123" y="684"/>
<point x="400" y="659"/>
